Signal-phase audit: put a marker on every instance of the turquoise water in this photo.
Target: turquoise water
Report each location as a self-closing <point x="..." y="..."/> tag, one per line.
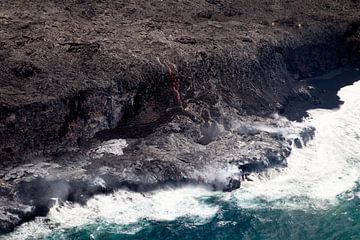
<point x="231" y="222"/>
<point x="317" y="196"/>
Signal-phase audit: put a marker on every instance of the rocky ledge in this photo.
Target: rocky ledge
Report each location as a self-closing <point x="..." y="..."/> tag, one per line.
<point x="100" y="95"/>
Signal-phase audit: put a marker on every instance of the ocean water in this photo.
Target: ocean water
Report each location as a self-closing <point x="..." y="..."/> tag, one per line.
<point x="316" y="197"/>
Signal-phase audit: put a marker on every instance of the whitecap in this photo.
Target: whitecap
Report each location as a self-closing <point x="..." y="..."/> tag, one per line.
<point x="124" y="208"/>
<point x="318" y="173"/>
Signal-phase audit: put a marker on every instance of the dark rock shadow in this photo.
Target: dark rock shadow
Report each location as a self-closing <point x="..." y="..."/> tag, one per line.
<point x="322" y="93"/>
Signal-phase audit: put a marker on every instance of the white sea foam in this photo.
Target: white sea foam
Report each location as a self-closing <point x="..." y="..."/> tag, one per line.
<point x="315" y="177"/>
<point x="221" y="174"/>
<point x="318" y="173"/>
<point x="124" y="208"/>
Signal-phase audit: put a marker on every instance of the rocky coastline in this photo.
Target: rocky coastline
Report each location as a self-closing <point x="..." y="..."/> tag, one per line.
<point x="97" y="96"/>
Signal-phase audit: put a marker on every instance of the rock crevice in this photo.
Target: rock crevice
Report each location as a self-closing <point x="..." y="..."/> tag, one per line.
<point x="96" y="96"/>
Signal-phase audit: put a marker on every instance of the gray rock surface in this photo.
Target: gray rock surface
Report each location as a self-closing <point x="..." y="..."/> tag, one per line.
<point x="100" y="95"/>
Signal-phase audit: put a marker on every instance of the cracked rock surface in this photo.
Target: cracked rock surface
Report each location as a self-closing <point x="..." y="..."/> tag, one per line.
<point x="100" y="95"/>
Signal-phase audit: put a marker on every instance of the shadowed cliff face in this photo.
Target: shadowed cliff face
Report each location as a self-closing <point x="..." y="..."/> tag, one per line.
<point x="200" y="85"/>
<point x="353" y="40"/>
<point x="72" y="69"/>
<point x="190" y="86"/>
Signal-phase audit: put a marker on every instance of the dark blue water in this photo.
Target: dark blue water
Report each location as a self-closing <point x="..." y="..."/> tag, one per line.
<point x="231" y="222"/>
<point x="316" y="197"/>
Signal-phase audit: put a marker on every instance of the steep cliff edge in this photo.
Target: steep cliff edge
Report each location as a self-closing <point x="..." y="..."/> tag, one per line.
<point x="70" y="70"/>
<point x="184" y="87"/>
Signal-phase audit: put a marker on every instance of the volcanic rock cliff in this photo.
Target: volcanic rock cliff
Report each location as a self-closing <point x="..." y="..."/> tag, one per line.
<point x="188" y="83"/>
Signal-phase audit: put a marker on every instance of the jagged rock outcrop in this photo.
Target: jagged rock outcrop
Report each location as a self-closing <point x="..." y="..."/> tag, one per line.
<point x="71" y="70"/>
<point x="190" y="85"/>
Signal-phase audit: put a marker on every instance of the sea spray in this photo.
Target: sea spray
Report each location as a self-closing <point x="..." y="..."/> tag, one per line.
<point x="319" y="187"/>
<point x="124" y="208"/>
<point x="318" y="173"/>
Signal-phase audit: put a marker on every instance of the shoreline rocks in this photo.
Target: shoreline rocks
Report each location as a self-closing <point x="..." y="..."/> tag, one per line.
<point x="189" y="86"/>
